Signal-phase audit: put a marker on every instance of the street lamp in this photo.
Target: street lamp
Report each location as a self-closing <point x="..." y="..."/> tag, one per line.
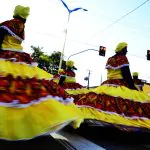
<point x="83" y="52"/>
<point x="69" y="12"/>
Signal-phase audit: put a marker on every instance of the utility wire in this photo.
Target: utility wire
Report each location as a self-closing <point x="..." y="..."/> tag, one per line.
<point x="122" y="17"/>
<point x="76" y="41"/>
<point x="108" y="26"/>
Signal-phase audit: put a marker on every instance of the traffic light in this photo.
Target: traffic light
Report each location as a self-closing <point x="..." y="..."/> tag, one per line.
<point x="102" y="51"/>
<point x="148" y="54"/>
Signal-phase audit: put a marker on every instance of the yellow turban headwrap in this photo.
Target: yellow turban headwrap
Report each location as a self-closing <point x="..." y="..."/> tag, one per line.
<point x="120" y="46"/>
<point x="21" y="11"/>
<point x="69" y="63"/>
<point x="135" y="74"/>
<point x="60" y="71"/>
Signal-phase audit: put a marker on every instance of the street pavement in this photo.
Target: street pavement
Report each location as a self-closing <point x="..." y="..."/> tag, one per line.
<point x="99" y="138"/>
<point x="85" y="138"/>
<point x="39" y="143"/>
<point x="112" y="138"/>
<point x="73" y="141"/>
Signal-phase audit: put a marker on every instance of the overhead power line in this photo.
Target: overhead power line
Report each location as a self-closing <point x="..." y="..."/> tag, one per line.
<point x="122" y="17"/>
<point x="81" y="42"/>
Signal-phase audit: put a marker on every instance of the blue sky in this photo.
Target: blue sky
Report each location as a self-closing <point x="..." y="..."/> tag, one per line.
<point x="48" y="20"/>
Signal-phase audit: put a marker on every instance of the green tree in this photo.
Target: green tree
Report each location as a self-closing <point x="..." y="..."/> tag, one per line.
<point x="49" y="63"/>
<point x="55" y="59"/>
<point x="39" y="57"/>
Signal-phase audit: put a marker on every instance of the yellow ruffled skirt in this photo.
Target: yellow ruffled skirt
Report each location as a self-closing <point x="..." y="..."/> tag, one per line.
<point x="31" y="104"/>
<point x="117" y="106"/>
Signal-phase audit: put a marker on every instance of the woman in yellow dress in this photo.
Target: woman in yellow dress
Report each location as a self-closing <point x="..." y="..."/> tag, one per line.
<point x="66" y="77"/>
<point x="138" y="82"/>
<point x="117" y="102"/>
<point x="31" y="104"/>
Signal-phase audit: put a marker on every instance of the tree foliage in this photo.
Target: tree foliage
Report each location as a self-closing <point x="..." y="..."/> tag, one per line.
<point x="49" y="63"/>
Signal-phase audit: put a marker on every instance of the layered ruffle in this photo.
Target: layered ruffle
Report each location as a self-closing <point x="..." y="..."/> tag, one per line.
<point x="31" y="104"/>
<point x="115" y="120"/>
<point x="18" y="91"/>
<point x="22" y="69"/>
<point x="118" y="105"/>
<point x="35" y="120"/>
<point x="16" y="56"/>
<point x="70" y="86"/>
<point x="69" y="83"/>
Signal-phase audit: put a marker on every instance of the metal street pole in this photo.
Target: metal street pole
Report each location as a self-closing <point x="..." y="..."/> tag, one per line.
<point x="69" y="12"/>
<point x="101" y="79"/>
<point x="88" y="80"/>
<point x="62" y="53"/>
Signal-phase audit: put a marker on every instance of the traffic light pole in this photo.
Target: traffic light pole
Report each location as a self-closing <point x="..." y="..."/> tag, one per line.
<point x="88" y="78"/>
<point x="82" y="52"/>
<point x="88" y="85"/>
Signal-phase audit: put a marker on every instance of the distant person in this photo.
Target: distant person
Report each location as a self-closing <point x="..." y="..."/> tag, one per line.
<point x="67" y="76"/>
<point x="138" y="83"/>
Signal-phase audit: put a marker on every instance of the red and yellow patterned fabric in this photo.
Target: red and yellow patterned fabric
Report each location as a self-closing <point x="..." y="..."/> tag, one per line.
<point x="28" y="91"/>
<point x="71" y="86"/>
<point x="116" y="105"/>
<point x="15" y="36"/>
<point x="115" y="82"/>
<point x="117" y="61"/>
<point x="14" y="26"/>
<point x="113" y="102"/>
<point x="16" y="56"/>
<point x="70" y="82"/>
<point x="69" y="73"/>
<point x="31" y="104"/>
<point x="114" y="65"/>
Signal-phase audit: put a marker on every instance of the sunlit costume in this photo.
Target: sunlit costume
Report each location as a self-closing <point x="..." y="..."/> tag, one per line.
<point x="146" y="88"/>
<point x="31" y="104"/>
<point x="66" y="79"/>
<point x="138" y="82"/>
<point x="117" y="102"/>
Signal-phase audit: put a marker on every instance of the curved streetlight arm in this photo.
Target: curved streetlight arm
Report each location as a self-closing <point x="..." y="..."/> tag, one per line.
<point x="82" y="52"/>
<point x="66" y="32"/>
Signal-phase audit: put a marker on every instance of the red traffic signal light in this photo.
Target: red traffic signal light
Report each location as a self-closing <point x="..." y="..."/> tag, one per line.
<point x="102" y="51"/>
<point x="148" y="54"/>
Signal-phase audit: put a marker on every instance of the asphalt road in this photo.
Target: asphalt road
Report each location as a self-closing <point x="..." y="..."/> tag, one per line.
<point x="112" y="138"/>
<point x="39" y="143"/>
<point x="84" y="138"/>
